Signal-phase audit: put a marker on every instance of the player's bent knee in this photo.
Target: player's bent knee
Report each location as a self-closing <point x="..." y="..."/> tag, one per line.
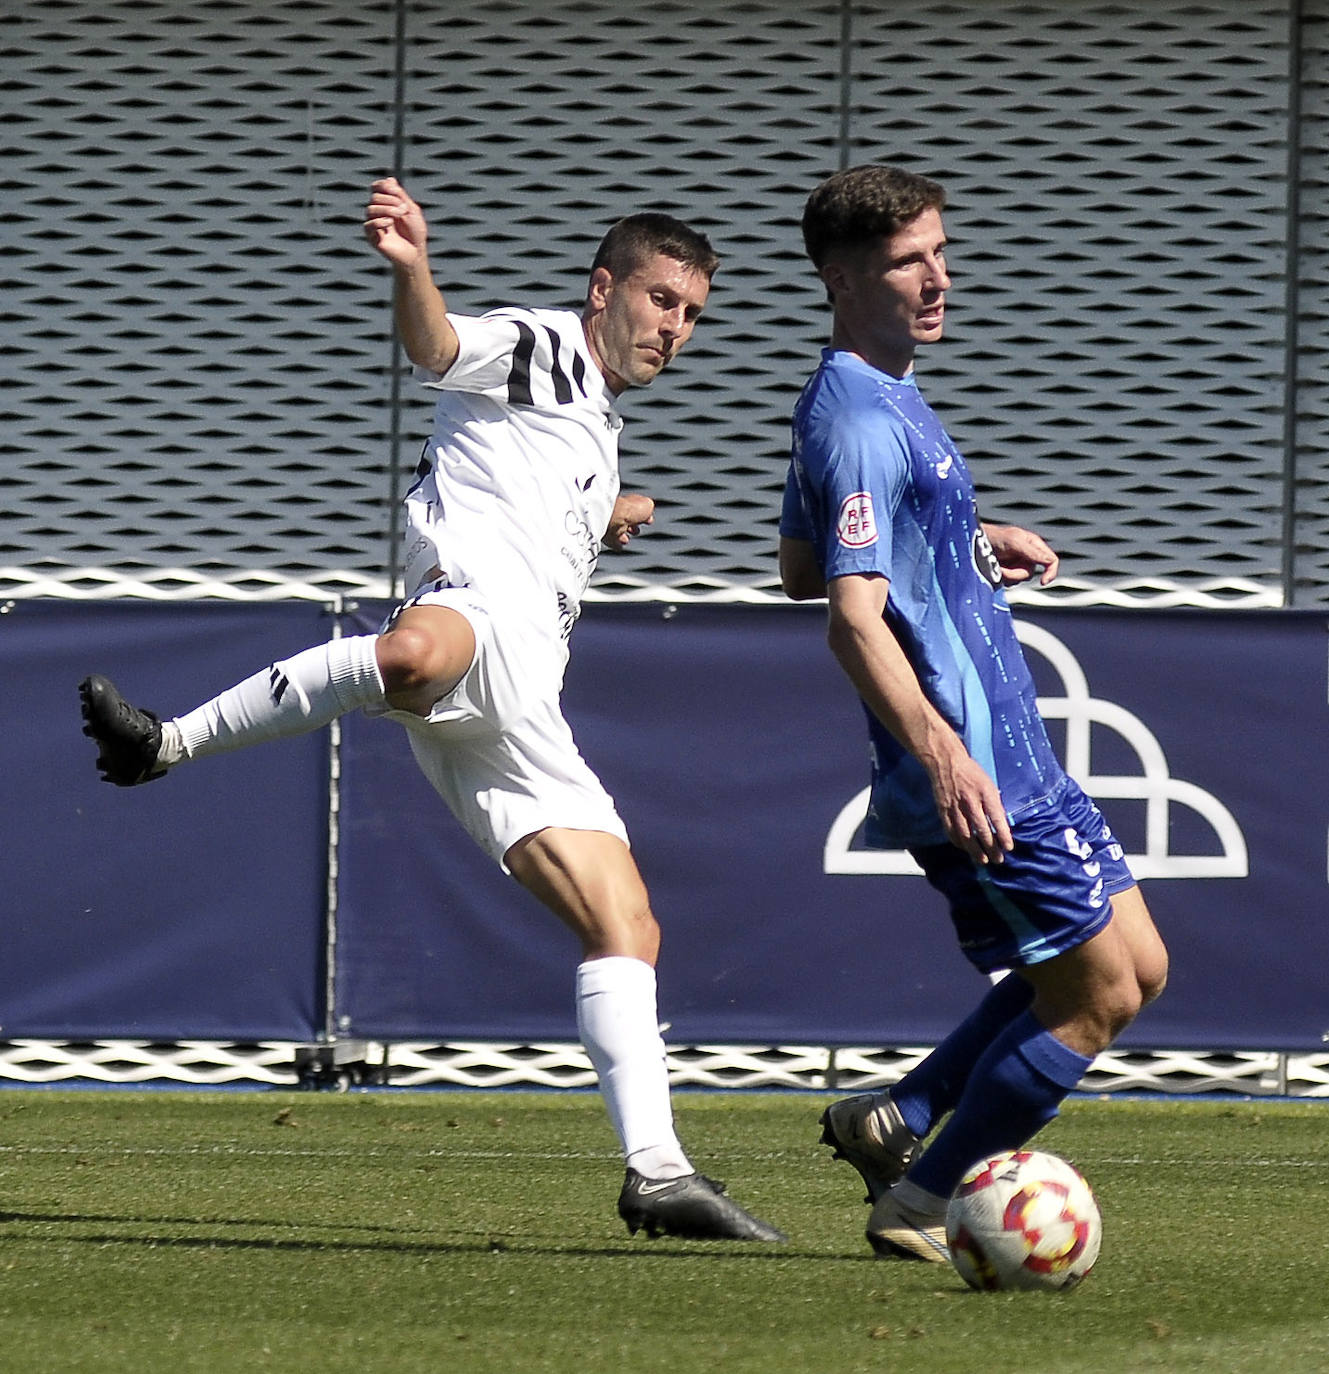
<point x="1152" y="982"/>
<point x="406" y="658"/>
<point x="637" y="937"/>
<point x="418" y="666"/>
<point x="614" y="931"/>
<point x="1109" y="1008"/>
<point x="1125" y="1012"/>
<point x="1150" y="959"/>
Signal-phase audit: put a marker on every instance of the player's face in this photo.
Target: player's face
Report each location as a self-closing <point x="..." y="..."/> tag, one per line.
<point x="891" y="297"/>
<point x="636" y="324"/>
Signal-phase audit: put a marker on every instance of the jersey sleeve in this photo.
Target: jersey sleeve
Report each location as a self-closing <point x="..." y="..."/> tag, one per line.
<point x="860" y="477"/>
<point x="794" y="522"/>
<point x="518" y="357"/>
<point x="485" y="363"/>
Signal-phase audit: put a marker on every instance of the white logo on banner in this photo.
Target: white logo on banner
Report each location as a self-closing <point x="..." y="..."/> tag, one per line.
<point x="1153" y="785"/>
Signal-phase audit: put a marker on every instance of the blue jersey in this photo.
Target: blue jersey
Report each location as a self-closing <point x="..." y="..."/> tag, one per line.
<point x="877" y="487"/>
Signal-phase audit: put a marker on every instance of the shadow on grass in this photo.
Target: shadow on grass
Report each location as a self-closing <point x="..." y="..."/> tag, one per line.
<point x="484" y="1243"/>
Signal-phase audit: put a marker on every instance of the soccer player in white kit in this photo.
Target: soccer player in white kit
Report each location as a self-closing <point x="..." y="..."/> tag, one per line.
<point x="515" y="495"/>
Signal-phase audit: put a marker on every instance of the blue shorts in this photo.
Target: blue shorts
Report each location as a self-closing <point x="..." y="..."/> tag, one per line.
<point x="1053" y="891"/>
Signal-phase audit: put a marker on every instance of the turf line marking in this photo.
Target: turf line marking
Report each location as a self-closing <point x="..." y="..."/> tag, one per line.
<point x="254" y="1152"/>
<point x="550" y="1156"/>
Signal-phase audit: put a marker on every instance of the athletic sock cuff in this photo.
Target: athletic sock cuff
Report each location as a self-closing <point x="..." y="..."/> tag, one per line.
<point x="616" y="973"/>
<point x="195" y="731"/>
<point x="1045" y="1054"/>
<point x="353" y="671"/>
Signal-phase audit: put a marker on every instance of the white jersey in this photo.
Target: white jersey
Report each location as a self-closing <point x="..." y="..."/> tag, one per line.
<point x="518" y="480"/>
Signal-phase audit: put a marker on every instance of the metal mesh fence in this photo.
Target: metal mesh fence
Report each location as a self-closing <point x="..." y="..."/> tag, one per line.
<point x="477" y="1065"/>
<point x="202" y="397"/>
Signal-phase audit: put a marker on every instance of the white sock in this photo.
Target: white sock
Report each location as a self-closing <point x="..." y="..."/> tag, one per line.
<point x="616" y="1019"/>
<point x="291" y="697"/>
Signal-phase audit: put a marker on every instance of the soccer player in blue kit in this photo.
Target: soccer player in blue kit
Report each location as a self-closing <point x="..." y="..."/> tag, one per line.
<point x="879" y="517"/>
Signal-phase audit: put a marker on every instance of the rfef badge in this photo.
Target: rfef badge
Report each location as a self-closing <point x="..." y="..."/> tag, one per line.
<point x="856" y="526"/>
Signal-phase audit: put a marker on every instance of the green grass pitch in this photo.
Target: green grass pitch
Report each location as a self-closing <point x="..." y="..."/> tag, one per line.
<point x="448" y="1231"/>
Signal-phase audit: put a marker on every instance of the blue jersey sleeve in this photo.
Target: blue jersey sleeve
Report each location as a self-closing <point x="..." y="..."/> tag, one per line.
<point x="861" y="476"/>
<point x="794" y="522"/>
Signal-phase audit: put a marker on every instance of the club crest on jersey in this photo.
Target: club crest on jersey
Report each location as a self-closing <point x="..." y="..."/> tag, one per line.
<point x="985" y="560"/>
<point x="856" y="526"/>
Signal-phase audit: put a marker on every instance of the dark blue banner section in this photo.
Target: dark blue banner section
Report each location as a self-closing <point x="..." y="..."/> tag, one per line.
<point x="196" y="907"/>
<point x="737" y="754"/>
<point x="191" y="907"/>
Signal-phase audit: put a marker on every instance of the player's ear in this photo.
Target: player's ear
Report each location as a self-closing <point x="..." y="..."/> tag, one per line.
<point x="600" y="288"/>
<point x="833" y="277"/>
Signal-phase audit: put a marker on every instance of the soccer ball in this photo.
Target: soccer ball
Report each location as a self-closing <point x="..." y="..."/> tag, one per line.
<point x="1023" y="1219"/>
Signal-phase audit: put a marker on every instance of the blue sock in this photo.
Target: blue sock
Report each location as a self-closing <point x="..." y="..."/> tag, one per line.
<point x="926" y="1093"/>
<point x="1015" y="1089"/>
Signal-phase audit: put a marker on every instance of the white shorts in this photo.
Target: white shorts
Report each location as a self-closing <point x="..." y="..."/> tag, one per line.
<point x="497" y="748"/>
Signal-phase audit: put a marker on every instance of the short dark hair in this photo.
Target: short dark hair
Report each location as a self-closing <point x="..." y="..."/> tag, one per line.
<point x="638" y="237"/>
<point x="862" y="204"/>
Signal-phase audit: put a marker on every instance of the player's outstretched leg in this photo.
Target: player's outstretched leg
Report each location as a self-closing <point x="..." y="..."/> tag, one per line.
<point x="290" y="697"/>
<point x="128" y="739"/>
<point x="693" y="1207"/>
<point x="870" y="1133"/>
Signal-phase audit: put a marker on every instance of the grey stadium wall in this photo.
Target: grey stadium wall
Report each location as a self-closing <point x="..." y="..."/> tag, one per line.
<point x="202" y="397"/>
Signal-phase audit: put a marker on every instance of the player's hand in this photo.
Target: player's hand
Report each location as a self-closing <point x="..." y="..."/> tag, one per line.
<point x="395" y="224"/>
<point x="1021" y="553"/>
<point x="971" y="810"/>
<point x="631" y="512"/>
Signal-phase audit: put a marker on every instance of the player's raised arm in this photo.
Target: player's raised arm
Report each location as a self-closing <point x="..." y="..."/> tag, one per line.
<point x="396" y="227"/>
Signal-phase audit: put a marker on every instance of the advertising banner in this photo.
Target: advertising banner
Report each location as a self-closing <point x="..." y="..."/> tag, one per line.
<point x="737" y="754"/>
<point x="199" y="907"/>
<point x="191" y="907"/>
